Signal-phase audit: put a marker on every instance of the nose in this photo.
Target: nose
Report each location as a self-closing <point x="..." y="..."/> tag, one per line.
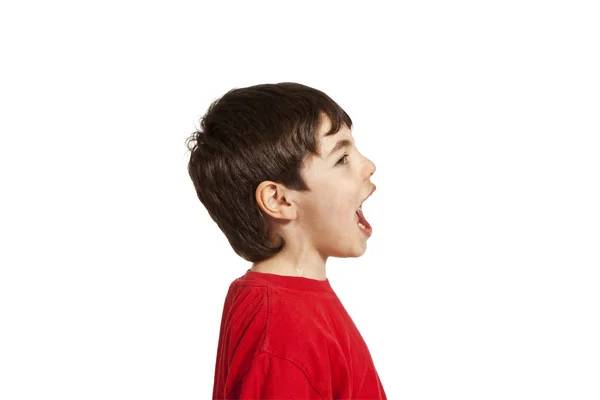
<point x="371" y="168"/>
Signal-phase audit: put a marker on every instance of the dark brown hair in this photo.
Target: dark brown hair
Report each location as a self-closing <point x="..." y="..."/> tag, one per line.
<point x="250" y="135"/>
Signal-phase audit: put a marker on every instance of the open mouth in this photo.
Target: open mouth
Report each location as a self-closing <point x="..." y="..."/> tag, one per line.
<point x="362" y="223"/>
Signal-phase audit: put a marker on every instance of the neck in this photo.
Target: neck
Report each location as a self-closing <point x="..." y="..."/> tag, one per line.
<point x="307" y="265"/>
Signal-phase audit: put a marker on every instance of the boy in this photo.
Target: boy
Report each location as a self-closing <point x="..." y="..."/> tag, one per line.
<point x="277" y="169"/>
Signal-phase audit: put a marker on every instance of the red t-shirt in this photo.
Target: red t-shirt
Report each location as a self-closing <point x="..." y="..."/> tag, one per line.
<point x="288" y="337"/>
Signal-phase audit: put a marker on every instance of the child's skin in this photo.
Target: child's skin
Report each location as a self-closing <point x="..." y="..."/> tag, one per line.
<point x="322" y="222"/>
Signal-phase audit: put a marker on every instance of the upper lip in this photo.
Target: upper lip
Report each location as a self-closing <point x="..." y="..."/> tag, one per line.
<point x="372" y="190"/>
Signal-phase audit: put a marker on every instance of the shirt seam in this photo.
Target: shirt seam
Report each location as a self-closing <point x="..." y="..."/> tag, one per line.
<point x="282" y="358"/>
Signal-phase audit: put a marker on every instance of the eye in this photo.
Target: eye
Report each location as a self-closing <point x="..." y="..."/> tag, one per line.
<point x="343" y="158"/>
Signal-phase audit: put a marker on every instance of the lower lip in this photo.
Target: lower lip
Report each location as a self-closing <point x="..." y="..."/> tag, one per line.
<point x="368" y="231"/>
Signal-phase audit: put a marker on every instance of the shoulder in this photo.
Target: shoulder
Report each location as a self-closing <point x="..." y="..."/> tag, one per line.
<point x="261" y="318"/>
<point x="267" y="329"/>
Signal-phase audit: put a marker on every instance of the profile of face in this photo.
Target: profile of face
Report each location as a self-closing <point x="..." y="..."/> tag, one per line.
<point x="325" y="218"/>
<point x="340" y="181"/>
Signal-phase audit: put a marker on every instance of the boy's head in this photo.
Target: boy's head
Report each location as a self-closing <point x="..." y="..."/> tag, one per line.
<point x="262" y="164"/>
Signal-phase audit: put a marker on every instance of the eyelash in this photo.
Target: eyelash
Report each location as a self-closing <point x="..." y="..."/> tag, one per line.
<point x="338" y="163"/>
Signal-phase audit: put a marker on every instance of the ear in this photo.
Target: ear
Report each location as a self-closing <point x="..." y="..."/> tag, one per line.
<point x="275" y="200"/>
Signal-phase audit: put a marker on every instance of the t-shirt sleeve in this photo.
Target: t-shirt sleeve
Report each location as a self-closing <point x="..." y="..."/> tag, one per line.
<point x="272" y="377"/>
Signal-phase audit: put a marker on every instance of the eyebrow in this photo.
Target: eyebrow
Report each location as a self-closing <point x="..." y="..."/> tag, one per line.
<point x="341" y="144"/>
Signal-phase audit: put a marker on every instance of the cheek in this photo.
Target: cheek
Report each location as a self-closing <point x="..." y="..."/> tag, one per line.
<point x="338" y="205"/>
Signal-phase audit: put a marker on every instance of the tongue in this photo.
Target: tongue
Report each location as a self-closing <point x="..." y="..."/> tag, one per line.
<point x="361" y="218"/>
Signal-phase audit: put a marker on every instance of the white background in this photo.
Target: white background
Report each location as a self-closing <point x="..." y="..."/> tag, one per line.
<point x="481" y="279"/>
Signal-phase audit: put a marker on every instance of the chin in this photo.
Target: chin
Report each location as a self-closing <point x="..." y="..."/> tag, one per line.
<point x="353" y="252"/>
